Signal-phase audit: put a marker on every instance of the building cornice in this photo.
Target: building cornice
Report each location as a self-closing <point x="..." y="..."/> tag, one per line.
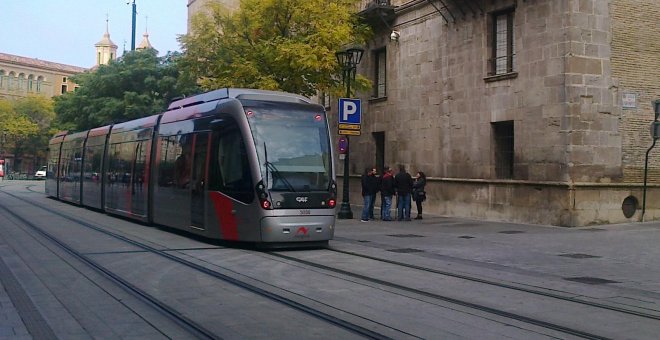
<point x="41" y="64"/>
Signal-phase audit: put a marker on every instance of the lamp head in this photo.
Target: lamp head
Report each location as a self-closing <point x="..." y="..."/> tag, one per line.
<point x="394" y="36"/>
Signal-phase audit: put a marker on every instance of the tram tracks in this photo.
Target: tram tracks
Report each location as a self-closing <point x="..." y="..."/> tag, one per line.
<point x="504" y="285"/>
<point x="196" y="329"/>
<point x="446" y="298"/>
<point x="428" y="295"/>
<point x="192" y="327"/>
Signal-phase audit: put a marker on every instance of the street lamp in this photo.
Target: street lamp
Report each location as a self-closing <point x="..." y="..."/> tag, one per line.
<point x="348" y="60"/>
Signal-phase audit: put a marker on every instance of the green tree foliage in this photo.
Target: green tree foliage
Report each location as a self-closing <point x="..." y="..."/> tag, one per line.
<point x="137" y="85"/>
<point x="26" y="126"/>
<point x="284" y="45"/>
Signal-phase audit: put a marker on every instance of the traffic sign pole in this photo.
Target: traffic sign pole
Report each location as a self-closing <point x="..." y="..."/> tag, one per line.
<point x="350" y="118"/>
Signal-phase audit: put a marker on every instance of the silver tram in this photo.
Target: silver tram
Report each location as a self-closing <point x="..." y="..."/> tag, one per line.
<point x="231" y="164"/>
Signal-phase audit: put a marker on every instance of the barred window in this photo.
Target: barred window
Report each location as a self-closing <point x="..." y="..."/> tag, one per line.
<point x="503" y="56"/>
<point x="503" y="135"/>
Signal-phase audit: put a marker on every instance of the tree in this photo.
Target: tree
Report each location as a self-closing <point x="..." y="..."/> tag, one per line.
<point x="284" y="45"/>
<point x="26" y="125"/>
<point x="137" y="85"/>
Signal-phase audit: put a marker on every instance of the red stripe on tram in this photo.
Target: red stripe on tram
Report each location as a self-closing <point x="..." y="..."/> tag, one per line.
<point x="223" y="209"/>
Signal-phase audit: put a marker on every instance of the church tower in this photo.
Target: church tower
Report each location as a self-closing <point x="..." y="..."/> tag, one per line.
<point x="145" y="43"/>
<point x="106" y="50"/>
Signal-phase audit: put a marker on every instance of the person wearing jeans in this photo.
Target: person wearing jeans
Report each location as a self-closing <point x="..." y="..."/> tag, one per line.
<point x="403" y="184"/>
<point x="386" y="193"/>
<point x="369" y="190"/>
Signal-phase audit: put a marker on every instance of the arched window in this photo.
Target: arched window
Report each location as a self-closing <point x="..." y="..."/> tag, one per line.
<point x="40" y="80"/>
<point x="2" y="78"/>
<point x="30" y="83"/>
<point x="11" y="80"/>
<point x="21" y="81"/>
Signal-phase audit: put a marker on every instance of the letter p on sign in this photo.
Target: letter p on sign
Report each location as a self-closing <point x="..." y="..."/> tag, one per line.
<point x="350" y="111"/>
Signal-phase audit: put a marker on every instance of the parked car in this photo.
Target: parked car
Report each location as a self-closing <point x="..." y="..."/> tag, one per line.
<point x="41" y="173"/>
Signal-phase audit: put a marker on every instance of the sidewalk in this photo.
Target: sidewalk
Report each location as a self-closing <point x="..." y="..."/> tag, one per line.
<point x="626" y="254"/>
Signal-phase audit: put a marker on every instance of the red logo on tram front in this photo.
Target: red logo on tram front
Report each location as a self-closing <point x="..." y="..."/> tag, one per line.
<point x="302" y="231"/>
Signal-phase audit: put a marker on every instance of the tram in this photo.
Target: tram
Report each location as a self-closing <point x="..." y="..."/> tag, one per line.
<point x="232" y="164"/>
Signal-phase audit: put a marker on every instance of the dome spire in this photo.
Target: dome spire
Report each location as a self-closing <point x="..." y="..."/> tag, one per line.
<point x="145" y="43"/>
<point x="106" y="50"/>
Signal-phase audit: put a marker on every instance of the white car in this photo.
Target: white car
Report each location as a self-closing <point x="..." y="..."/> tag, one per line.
<point x="41" y="173"/>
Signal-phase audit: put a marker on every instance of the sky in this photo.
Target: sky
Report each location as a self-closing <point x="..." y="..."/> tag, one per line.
<point x="65" y="31"/>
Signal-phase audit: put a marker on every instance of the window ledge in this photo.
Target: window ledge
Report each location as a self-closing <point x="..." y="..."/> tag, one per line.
<point x="503" y="76"/>
<point x="377" y="99"/>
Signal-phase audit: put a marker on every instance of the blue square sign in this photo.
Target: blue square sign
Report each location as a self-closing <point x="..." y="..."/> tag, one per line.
<point x="350" y="111"/>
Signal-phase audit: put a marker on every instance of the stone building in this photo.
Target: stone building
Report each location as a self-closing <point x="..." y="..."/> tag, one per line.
<point x="22" y="76"/>
<point x="533" y="111"/>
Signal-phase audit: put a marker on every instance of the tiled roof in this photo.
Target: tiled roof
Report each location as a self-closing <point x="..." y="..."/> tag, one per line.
<point x="18" y="60"/>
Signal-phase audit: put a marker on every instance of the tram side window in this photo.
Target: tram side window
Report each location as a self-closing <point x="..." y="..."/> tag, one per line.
<point x="139" y="164"/>
<point x="65" y="164"/>
<point x="183" y="162"/>
<point x="230" y="169"/>
<point x="93" y="159"/>
<point x="52" y="162"/>
<point x="120" y="163"/>
<point x="168" y="152"/>
<point x="75" y="167"/>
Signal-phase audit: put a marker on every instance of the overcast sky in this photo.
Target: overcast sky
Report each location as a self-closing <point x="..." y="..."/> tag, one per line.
<point x="65" y="31"/>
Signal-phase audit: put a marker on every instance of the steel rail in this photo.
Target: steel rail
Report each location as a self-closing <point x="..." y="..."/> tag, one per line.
<point x="252" y="288"/>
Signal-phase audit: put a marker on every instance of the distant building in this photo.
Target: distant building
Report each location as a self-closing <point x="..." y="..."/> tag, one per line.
<point x="22" y="76"/>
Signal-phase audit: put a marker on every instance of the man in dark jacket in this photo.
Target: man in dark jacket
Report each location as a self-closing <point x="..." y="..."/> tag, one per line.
<point x="369" y="190"/>
<point x="403" y="184"/>
<point x="386" y="193"/>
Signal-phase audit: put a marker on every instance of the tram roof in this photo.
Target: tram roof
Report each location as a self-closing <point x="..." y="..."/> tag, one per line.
<point x="238" y="94"/>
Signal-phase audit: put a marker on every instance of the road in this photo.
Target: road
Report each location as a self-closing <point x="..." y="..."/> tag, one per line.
<point x="68" y="272"/>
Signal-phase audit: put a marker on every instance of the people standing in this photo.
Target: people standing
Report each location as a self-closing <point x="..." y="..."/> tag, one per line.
<point x="403" y="183"/>
<point x="419" y="194"/>
<point x="369" y="190"/>
<point x="374" y="173"/>
<point x="386" y="193"/>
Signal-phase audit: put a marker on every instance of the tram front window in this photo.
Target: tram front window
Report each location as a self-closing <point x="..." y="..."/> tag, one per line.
<point x="293" y="147"/>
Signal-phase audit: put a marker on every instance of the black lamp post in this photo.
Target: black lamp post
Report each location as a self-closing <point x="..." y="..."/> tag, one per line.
<point x="348" y="60"/>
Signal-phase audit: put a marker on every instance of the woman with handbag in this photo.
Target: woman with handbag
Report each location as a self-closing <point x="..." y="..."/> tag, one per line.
<point x="419" y="195"/>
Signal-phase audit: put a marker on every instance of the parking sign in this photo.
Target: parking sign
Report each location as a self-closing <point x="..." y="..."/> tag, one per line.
<point x="350" y="111"/>
<point x="350" y="116"/>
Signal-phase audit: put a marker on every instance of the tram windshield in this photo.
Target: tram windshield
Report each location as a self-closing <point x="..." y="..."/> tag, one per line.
<point x="293" y="146"/>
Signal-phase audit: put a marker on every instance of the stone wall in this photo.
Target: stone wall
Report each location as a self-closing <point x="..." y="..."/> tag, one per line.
<point x="439" y="108"/>
<point x="577" y="153"/>
<point x="636" y="68"/>
<point x="592" y="123"/>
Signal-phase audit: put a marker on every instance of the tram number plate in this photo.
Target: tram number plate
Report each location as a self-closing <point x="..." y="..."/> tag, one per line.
<point x="305" y="212"/>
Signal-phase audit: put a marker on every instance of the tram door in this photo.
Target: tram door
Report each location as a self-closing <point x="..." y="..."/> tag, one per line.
<point x="198" y="181"/>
